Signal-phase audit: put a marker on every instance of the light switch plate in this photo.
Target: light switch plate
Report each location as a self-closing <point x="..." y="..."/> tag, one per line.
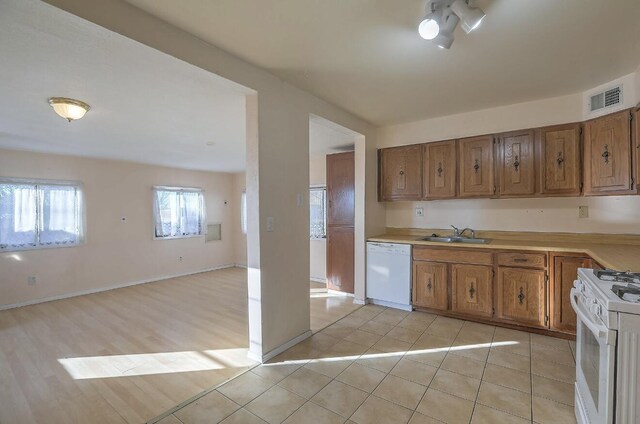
<point x="269" y="223"/>
<point x="419" y="211"/>
<point x="583" y="211"/>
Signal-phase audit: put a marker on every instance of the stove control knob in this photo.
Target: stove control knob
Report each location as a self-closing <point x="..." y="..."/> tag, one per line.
<point x="578" y="285"/>
<point x="595" y="308"/>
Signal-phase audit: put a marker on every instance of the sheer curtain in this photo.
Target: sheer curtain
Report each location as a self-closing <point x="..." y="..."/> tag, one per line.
<point x="59" y="223"/>
<point x="17" y="215"/>
<point x="178" y="213"/>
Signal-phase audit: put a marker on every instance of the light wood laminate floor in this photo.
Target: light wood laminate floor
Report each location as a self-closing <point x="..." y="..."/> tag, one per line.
<point x="127" y="355"/>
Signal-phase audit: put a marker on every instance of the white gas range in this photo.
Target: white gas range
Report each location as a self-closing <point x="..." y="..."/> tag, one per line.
<point x="607" y="305"/>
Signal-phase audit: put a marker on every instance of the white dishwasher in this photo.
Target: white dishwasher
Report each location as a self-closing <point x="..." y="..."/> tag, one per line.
<point x="389" y="274"/>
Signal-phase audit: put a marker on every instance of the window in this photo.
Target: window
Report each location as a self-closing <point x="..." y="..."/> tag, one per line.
<point x="178" y="212"/>
<point x="39" y="214"/>
<point x="243" y="212"/>
<point x="318" y="211"/>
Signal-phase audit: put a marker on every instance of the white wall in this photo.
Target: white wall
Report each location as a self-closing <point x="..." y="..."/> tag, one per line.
<point x="606" y="214"/>
<point x="318" y="247"/>
<point x="239" y="239"/>
<point x="116" y="252"/>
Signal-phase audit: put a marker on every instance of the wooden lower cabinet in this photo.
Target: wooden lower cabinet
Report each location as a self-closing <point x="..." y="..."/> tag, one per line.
<point x="430" y="285"/>
<point x="521" y="296"/>
<point x="565" y="272"/>
<point x="340" y="259"/>
<point x="472" y="289"/>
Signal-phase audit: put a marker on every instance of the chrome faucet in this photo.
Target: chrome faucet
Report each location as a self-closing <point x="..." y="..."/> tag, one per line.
<point x="458" y="233"/>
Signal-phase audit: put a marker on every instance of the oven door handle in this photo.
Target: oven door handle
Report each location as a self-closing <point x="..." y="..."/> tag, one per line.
<point x="600" y="331"/>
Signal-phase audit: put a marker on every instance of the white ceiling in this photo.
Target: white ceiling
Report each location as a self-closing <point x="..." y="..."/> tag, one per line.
<point x="366" y="55"/>
<point x="327" y="137"/>
<point x="146" y="106"/>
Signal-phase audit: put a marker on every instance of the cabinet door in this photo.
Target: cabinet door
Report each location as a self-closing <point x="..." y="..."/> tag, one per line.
<point x="521" y="296"/>
<point x="472" y="289"/>
<point x="560" y="169"/>
<point x="607" y="155"/>
<point x="440" y="170"/>
<point x="340" y="258"/>
<point x="430" y="285"/>
<point x="565" y="272"/>
<point x="516" y="164"/>
<point x="476" y="167"/>
<point x="401" y="173"/>
<point x="341" y="189"/>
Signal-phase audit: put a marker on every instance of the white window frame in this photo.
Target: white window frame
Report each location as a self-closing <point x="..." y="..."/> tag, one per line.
<point x="203" y="214"/>
<point x="81" y="218"/>
<point x="243" y="212"/>
<point x="324" y="188"/>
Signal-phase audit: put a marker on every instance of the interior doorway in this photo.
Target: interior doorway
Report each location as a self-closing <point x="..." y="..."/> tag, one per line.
<point x="332" y="204"/>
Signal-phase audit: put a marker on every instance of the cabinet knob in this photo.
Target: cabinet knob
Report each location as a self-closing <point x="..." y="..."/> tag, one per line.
<point x="440" y="169"/>
<point x="401" y="172"/>
<point x="472" y="291"/>
<point x="605" y="153"/>
<point x="521" y="296"/>
<point x="560" y="159"/>
<point x="516" y="164"/>
<point x="429" y="285"/>
<point x="476" y="167"/>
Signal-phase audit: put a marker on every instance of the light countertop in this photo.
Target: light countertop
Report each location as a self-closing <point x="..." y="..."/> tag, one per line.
<point x="624" y="257"/>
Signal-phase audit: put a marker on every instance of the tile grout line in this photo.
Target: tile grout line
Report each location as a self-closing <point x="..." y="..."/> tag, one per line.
<point x="475" y="402"/>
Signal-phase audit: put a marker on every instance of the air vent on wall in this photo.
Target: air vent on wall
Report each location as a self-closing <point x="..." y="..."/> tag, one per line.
<point x="606" y="99"/>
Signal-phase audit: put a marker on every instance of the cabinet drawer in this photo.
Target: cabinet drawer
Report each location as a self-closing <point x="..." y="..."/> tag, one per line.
<point x="461" y="256"/>
<point x="523" y="260"/>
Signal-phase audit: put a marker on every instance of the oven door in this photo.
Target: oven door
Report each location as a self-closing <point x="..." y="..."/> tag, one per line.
<point x="595" y="365"/>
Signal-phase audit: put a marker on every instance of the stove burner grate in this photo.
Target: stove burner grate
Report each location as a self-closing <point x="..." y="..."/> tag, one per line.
<point x="618" y="276"/>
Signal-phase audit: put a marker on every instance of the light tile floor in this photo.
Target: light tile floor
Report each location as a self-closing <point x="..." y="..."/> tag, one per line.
<point x="380" y="365"/>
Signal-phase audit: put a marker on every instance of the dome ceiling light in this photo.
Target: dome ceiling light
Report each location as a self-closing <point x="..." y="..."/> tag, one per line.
<point x="442" y="19"/>
<point x="69" y="109"/>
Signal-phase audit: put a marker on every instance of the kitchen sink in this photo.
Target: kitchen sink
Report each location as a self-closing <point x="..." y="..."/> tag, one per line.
<point x="456" y="240"/>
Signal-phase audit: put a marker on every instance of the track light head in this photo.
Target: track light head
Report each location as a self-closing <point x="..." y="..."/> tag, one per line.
<point x="429" y="28"/>
<point x="471" y="17"/>
<point x="445" y="37"/>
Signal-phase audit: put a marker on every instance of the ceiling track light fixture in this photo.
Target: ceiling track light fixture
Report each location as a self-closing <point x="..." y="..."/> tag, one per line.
<point x="442" y="18"/>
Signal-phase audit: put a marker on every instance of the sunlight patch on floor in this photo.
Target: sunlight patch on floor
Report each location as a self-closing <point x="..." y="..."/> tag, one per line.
<point x="110" y="366"/>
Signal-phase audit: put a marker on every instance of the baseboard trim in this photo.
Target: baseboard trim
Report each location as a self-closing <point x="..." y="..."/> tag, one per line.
<point x="339" y="293"/>
<point x="391" y="304"/>
<point x="318" y="280"/>
<point x="359" y="301"/>
<point x="112" y="287"/>
<point x="275" y="352"/>
<point x="240" y="266"/>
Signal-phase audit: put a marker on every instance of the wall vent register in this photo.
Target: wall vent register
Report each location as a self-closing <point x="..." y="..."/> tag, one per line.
<point x="606" y="99"/>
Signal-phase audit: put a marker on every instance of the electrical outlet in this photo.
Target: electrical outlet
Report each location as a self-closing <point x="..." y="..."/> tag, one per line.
<point x="583" y="211"/>
<point x="180" y="258"/>
<point x="269" y="223"/>
<point x="419" y="211"/>
<point x="32" y="280"/>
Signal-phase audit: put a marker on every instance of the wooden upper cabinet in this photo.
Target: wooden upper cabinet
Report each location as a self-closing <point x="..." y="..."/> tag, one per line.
<point x="341" y="189"/>
<point x="475" y="164"/>
<point x="521" y="296"/>
<point x="440" y="170"/>
<point x="401" y="173"/>
<point x="607" y="155"/>
<point x="472" y="289"/>
<point x="430" y="285"/>
<point x="517" y="164"/>
<point x="560" y="170"/>
<point x="565" y="272"/>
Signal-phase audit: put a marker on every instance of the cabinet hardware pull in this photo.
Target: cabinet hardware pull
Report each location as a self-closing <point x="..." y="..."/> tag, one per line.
<point x="471" y="291"/>
<point x="520" y="260"/>
<point x="440" y="169"/>
<point x="560" y="159"/>
<point x="521" y="295"/>
<point x="429" y="284"/>
<point x="401" y="172"/>
<point x="605" y="154"/>
<point x="516" y="164"/>
<point x="476" y="166"/>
